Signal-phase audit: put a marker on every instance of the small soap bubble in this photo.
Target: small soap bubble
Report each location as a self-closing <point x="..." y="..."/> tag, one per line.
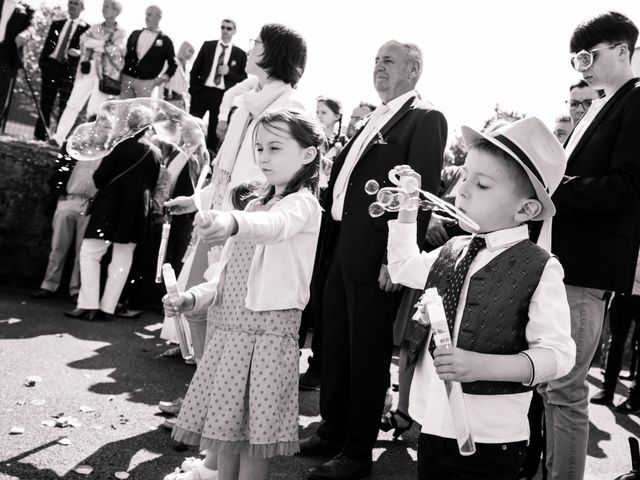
<point x="426" y="205"/>
<point x="119" y="120"/>
<point x="376" y="209"/>
<point x="413" y="204"/>
<point x="385" y="197"/>
<point x="371" y="187"/>
<point x="410" y="184"/>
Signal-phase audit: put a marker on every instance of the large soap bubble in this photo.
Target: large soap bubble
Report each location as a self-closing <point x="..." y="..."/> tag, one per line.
<point x="118" y="120"/>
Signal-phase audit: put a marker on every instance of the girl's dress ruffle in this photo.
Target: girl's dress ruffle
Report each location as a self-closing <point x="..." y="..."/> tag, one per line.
<point x="243" y="447"/>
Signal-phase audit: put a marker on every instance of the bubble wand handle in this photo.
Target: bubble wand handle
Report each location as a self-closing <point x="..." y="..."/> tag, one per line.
<point x="162" y="251"/>
<point x="171" y="284"/>
<point x="197" y="199"/>
<point x="442" y="338"/>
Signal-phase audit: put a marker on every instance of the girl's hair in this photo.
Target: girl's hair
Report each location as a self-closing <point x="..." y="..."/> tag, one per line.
<point x="336" y="107"/>
<point x="242" y="194"/>
<point x="183" y="48"/>
<point x="285" y="53"/>
<point x="305" y="130"/>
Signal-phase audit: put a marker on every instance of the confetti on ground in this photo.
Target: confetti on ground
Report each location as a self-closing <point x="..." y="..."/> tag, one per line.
<point x="64" y="441"/>
<point x="86" y="409"/>
<point x="11" y="321"/>
<point x="32" y="380"/>
<point x="38" y="401"/>
<point x="16" y="431"/>
<point x="64" y="422"/>
<point x="144" y="336"/>
<point x="48" y="423"/>
<point x="121" y="475"/>
<point x="83" y="469"/>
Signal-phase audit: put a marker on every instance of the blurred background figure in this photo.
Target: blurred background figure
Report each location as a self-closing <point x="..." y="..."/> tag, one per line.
<point x="58" y="64"/>
<point x="176" y="90"/>
<point x="148" y="50"/>
<point x="581" y="96"/>
<point x="15" y="19"/>
<point x="358" y="114"/>
<point x="217" y="68"/>
<point x="102" y="50"/>
<point x="562" y="128"/>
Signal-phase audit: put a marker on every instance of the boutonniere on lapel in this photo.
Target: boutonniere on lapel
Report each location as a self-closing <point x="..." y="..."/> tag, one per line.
<point x="379" y="139"/>
<point x="159" y="42"/>
<point x="233" y="63"/>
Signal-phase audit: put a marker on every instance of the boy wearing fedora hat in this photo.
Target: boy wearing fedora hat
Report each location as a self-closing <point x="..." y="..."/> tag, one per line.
<point x="504" y="301"/>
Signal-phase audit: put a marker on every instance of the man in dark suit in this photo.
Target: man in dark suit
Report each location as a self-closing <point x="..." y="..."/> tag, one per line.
<point x="58" y="63"/>
<point x="359" y="301"/>
<point x="147" y="52"/>
<point x="596" y="231"/>
<point x="15" y="19"/>
<point x="218" y="67"/>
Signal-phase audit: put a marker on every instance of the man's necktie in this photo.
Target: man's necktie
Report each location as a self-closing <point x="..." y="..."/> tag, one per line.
<point x="217" y="78"/>
<point x="61" y="56"/>
<point x="451" y="295"/>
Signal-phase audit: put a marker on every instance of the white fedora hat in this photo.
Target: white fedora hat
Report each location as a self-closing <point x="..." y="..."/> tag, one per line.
<point x="536" y="150"/>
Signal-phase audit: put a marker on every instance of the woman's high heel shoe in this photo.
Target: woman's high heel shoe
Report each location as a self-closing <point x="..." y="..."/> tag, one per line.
<point x="389" y="421"/>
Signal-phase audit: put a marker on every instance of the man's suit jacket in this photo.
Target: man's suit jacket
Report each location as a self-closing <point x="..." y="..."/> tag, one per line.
<point x="203" y="64"/>
<point x="19" y="21"/>
<point x="416" y="135"/>
<point x="150" y="65"/>
<point x="596" y="231"/>
<point x="51" y="42"/>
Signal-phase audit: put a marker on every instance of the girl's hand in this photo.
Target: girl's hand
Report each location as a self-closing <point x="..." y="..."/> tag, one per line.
<point x="458" y="365"/>
<point x="215" y="227"/>
<point x="181" y="304"/>
<point x="181" y="205"/>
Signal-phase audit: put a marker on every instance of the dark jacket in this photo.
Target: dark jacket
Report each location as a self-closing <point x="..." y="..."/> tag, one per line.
<point x="121" y="210"/>
<point x="52" y="39"/>
<point x="416" y="135"/>
<point x="18" y="22"/>
<point x="203" y="64"/>
<point x="596" y="231"/>
<point x="149" y="66"/>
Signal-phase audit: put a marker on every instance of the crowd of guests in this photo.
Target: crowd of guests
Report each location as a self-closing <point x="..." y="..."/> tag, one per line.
<point x="281" y="242"/>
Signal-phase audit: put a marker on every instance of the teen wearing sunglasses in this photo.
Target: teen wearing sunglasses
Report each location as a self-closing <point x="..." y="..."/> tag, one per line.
<point x="596" y="231"/>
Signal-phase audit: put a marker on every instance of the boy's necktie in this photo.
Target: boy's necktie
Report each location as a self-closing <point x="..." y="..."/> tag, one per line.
<point x="451" y="295"/>
<point x="217" y="77"/>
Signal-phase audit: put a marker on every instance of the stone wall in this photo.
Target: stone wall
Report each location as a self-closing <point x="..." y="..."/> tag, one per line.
<point x="25" y="232"/>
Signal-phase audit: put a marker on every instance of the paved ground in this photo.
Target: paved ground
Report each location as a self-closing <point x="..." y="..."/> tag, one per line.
<point x="116" y="369"/>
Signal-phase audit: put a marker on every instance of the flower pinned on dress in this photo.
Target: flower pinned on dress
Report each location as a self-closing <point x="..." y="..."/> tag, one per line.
<point x="159" y="42"/>
<point x="233" y="63"/>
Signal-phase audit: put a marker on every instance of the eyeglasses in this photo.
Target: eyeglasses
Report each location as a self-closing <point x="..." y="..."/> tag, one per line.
<point x="573" y="104"/>
<point x="253" y="42"/>
<point x="582" y="60"/>
<point x="228" y="29"/>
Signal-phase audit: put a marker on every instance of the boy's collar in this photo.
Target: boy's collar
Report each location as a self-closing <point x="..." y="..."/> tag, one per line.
<point x="505" y="237"/>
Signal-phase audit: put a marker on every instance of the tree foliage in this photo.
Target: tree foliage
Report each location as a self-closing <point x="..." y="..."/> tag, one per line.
<point x="457" y="152"/>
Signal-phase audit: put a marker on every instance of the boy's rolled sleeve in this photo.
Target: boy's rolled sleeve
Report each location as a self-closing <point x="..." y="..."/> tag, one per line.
<point x="552" y="351"/>
<point x="407" y="265"/>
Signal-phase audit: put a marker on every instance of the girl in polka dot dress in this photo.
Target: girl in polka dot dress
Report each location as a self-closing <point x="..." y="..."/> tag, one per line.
<point x="242" y="404"/>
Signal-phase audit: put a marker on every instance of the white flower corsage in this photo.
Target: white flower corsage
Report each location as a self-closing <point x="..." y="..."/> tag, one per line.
<point x="379" y="139"/>
<point x="159" y="42"/>
<point x="233" y="63"/>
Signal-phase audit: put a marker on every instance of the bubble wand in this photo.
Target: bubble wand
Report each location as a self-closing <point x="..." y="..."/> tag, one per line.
<point x="197" y="200"/>
<point x="394" y="199"/>
<point x="441" y="337"/>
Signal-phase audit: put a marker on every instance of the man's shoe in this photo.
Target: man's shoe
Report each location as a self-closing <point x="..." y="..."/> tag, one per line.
<point x="316" y="446"/>
<point x="42" y="293"/>
<point x="630" y="405"/>
<point x="340" y="467"/>
<point x="603" y="397"/>
<point x="88" y="314"/>
<point x="309" y="381"/>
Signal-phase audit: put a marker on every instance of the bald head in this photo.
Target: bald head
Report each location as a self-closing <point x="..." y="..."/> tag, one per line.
<point x="152" y="17"/>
